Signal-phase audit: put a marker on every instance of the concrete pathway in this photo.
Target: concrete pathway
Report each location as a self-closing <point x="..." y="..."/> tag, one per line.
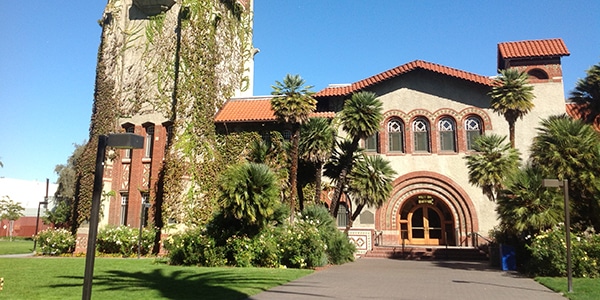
<point x="376" y="278"/>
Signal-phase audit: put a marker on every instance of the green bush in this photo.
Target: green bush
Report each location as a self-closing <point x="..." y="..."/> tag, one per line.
<point x="548" y="254"/>
<point x="193" y="247"/>
<point x="302" y="245"/>
<point x="339" y="248"/>
<point x="55" y="241"/>
<point x="123" y="240"/>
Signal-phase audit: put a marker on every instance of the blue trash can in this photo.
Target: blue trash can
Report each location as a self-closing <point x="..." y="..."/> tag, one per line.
<point x="509" y="258"/>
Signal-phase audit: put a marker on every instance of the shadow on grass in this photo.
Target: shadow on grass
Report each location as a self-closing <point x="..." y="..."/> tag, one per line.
<point x="179" y="284"/>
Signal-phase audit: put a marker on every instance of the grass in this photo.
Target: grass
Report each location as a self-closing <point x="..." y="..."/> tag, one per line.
<point x="17" y="246"/>
<point x="116" y="278"/>
<point x="583" y="288"/>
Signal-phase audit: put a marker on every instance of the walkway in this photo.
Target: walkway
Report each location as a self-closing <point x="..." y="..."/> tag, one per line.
<point x="375" y="278"/>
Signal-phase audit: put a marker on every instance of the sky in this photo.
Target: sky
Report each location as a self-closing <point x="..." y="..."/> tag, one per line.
<point x="49" y="47"/>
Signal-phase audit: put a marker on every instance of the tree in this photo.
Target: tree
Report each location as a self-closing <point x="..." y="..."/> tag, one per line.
<point x="512" y="97"/>
<point x="493" y="160"/>
<point x="369" y="184"/>
<point x="570" y="149"/>
<point x="293" y="104"/>
<point x="587" y="92"/>
<point x="249" y="194"/>
<point x="10" y="211"/>
<point x="360" y="118"/>
<point x="316" y="143"/>
<point x="60" y="215"/>
<point x="526" y="207"/>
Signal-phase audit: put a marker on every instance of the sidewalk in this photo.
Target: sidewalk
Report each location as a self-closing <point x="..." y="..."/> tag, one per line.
<point x="376" y="278"/>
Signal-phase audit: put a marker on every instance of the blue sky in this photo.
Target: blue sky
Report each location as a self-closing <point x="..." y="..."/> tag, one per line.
<point x="49" y="49"/>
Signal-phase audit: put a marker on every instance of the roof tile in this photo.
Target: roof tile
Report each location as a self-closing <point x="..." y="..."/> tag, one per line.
<point x="535" y="48"/>
<point x="255" y="109"/>
<point x="397" y="71"/>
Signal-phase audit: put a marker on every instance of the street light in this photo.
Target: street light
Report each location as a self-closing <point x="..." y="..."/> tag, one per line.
<point x="119" y="141"/>
<point x="564" y="184"/>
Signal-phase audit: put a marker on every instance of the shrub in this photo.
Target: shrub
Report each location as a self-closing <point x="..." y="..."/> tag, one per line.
<point x="548" y="254"/>
<point x="55" y="241"/>
<point x="123" y="240"/>
<point x="302" y="245"/>
<point x="193" y="247"/>
<point x="339" y="248"/>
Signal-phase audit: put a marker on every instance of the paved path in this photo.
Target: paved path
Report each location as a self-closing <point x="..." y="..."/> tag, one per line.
<point x="376" y="278"/>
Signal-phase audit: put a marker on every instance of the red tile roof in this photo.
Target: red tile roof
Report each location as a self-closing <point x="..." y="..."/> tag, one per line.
<point x="536" y="48"/>
<point x="255" y="109"/>
<point x="397" y="71"/>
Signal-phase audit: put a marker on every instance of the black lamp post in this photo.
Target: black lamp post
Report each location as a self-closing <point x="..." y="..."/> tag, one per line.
<point x="116" y="140"/>
<point x="564" y="184"/>
<point x="37" y="220"/>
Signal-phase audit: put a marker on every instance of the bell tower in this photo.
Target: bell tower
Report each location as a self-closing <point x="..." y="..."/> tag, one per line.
<point x="540" y="59"/>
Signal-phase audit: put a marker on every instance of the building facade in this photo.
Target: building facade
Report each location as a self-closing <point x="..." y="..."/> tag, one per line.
<point x="432" y="114"/>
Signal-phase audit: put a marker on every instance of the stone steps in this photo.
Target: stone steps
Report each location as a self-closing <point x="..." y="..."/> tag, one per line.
<point x="427" y="253"/>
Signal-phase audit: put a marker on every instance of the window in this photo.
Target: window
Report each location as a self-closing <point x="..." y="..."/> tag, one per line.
<point x="395" y="131"/>
<point x="149" y="141"/>
<point x="342" y="217"/>
<point x="145" y="207"/>
<point x="129" y="129"/>
<point x="473" y="130"/>
<point x="447" y="131"/>
<point x="124" y="205"/>
<point x="287" y="135"/>
<point x="371" y="143"/>
<point x="420" y="129"/>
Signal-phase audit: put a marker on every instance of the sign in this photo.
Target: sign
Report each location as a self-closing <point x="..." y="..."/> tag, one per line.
<point x="425" y="199"/>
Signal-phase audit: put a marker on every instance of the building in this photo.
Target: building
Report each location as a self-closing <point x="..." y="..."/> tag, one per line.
<point x="31" y="195"/>
<point x="432" y="114"/>
<point x="162" y="65"/>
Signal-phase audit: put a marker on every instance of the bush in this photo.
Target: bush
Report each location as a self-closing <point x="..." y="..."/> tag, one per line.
<point x="193" y="247"/>
<point x="302" y="245"/>
<point x="55" y="241"/>
<point x="549" y="252"/>
<point x="123" y="240"/>
<point x="339" y="248"/>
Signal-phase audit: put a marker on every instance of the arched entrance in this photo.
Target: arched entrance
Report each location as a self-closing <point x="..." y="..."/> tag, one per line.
<point x="425" y="220"/>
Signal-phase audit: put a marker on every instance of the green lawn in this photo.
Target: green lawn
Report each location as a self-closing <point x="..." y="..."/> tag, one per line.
<point x="116" y="278"/>
<point x="583" y="288"/>
<point x="17" y="246"/>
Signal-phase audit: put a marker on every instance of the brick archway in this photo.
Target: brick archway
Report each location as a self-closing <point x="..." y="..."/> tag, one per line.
<point x="430" y="183"/>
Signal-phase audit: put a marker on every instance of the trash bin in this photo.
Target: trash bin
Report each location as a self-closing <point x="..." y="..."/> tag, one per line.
<point x="509" y="258"/>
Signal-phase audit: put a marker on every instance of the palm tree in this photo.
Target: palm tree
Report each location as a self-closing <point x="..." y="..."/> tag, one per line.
<point x="293" y="104"/>
<point x="526" y="206"/>
<point x="512" y="97"/>
<point x="316" y="143"/>
<point x="250" y="193"/>
<point x="587" y="92"/>
<point x="493" y="161"/>
<point x="569" y="149"/>
<point x="369" y="184"/>
<point x="360" y="118"/>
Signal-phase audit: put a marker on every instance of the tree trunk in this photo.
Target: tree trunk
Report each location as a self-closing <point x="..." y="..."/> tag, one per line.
<point x="294" y="171"/>
<point x="353" y="217"/>
<point x="511" y="133"/>
<point x="339" y="187"/>
<point x="318" y="175"/>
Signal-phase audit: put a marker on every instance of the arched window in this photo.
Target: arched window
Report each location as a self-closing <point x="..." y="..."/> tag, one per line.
<point x="371" y="143"/>
<point x="537" y="74"/>
<point x="420" y="129"/>
<point x="149" y="141"/>
<point x="473" y="130"/>
<point x="342" y="217"/>
<point x="447" y="130"/>
<point x="395" y="131"/>
<point x="129" y="129"/>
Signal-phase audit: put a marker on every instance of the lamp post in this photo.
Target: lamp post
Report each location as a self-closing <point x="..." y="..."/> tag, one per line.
<point x="37" y="220"/>
<point x="120" y="141"/>
<point x="564" y="184"/>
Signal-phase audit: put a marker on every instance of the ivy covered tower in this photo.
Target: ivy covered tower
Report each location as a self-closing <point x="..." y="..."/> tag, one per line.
<point x="164" y="67"/>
